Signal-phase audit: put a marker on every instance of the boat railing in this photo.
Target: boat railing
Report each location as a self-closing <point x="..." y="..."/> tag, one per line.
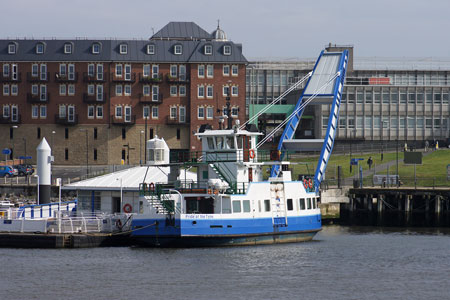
<point x="226" y="155"/>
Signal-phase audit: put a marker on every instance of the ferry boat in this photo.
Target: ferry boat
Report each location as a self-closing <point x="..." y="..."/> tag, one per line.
<point x="230" y="203"/>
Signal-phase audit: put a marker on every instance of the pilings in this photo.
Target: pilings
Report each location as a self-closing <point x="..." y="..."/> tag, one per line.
<point x="397" y="207"/>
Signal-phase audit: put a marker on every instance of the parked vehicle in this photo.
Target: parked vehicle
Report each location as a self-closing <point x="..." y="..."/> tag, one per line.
<point x="15" y="171"/>
<point x="6" y="171"/>
<point x="22" y="169"/>
<point x="30" y="169"/>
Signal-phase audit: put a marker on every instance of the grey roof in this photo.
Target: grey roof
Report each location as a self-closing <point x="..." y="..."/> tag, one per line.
<point x="182" y="30"/>
<point x="192" y="51"/>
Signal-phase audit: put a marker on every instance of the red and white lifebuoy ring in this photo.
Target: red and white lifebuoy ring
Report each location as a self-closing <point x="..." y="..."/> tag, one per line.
<point x="127" y="208"/>
<point x="251" y="153"/>
<point x="305" y="184"/>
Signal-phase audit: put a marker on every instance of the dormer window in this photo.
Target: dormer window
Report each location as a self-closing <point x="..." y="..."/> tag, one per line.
<point x="96" y="48"/>
<point x="39" y="48"/>
<point x="151" y="49"/>
<point x="68" y="48"/>
<point x="227" y="50"/>
<point x="12" y="48"/>
<point x="208" y="49"/>
<point x="178" y="49"/>
<point x="123" y="49"/>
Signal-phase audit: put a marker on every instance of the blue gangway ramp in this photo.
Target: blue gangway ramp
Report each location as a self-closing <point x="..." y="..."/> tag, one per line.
<point x="324" y="86"/>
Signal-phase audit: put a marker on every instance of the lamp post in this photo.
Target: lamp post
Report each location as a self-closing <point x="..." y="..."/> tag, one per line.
<point x="12" y="153"/>
<point x="140" y="147"/>
<point x="87" y="152"/>
<point x="37" y="176"/>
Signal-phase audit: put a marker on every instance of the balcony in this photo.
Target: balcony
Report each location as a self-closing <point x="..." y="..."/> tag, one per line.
<point x="38" y="78"/>
<point x="9" y="78"/>
<point x="149" y="99"/>
<point x="38" y="98"/>
<point x="94" y="78"/>
<point x="66" y="78"/>
<point x="66" y="120"/>
<point x="124" y="121"/>
<point x="176" y="121"/>
<point x="181" y="79"/>
<point x="92" y="99"/>
<point x="10" y="120"/>
<point x="124" y="79"/>
<point x="150" y="79"/>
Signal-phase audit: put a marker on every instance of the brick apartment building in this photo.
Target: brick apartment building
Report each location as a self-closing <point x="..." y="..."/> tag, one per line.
<point x="107" y="96"/>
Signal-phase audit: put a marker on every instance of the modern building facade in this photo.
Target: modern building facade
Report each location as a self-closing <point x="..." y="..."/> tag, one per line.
<point x="385" y="103"/>
<point x="97" y="101"/>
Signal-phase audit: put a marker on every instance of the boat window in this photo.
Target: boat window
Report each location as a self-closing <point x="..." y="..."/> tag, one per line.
<point x="236" y="206"/>
<point x="266" y="205"/>
<point x="314" y="203"/>
<point x="309" y="203"/>
<point x="246" y="205"/>
<point x="220" y="144"/>
<point x="290" y="205"/>
<point x="226" y="206"/>
<point x="259" y="205"/>
<point x="239" y="142"/>
<point x="230" y="142"/>
<point x="210" y="143"/>
<point x="302" y="203"/>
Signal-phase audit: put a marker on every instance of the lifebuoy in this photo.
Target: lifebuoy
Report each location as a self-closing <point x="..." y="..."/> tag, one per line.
<point x="305" y="184"/>
<point x="209" y="191"/>
<point x="251" y="153"/>
<point x="310" y="183"/>
<point x="127" y="208"/>
<point x="151" y="186"/>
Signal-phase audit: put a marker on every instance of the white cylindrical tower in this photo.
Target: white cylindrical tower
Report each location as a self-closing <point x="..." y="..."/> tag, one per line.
<point x="44" y="171"/>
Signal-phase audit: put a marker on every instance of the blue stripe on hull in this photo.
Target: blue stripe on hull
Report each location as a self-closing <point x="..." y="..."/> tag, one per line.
<point x="201" y="232"/>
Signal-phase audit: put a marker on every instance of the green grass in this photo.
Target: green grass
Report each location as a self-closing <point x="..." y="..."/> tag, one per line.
<point x="432" y="172"/>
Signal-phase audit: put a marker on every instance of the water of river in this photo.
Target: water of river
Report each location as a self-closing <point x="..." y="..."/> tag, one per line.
<point x="341" y="263"/>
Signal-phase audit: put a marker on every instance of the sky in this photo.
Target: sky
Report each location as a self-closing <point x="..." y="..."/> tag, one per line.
<point x="267" y="29"/>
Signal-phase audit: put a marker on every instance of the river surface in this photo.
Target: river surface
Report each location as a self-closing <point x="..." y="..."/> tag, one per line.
<point x="341" y="263"/>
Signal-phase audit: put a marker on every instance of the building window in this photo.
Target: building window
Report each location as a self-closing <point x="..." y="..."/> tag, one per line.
<point x="43" y="111"/>
<point x="38" y="133"/>
<point x="209" y="112"/>
<point x="95" y="48"/>
<point x="95" y="133"/>
<point x="146" y="112"/>
<point x="226" y="70"/>
<point x="66" y="154"/>
<point x="234" y="70"/>
<point x="34" y="111"/>
<point x="182" y="90"/>
<point x="14" y="90"/>
<point x="173" y="71"/>
<point x="34" y="70"/>
<point x="151" y="49"/>
<point x="155" y="112"/>
<point x="123" y="49"/>
<point x="182" y="114"/>
<point x="119" y="112"/>
<point x="201" y="112"/>
<point x="178" y="49"/>
<point x="119" y="70"/>
<point x="226" y="90"/>
<point x="155" y="93"/>
<point x="173" y="112"/>
<point x="201" y="91"/>
<point x="100" y="112"/>
<point x="67" y="48"/>
<point x="39" y="48"/>
<point x="66" y="133"/>
<point x="91" y="70"/>
<point x="201" y="71"/>
<point x="91" y="111"/>
<point x="178" y="133"/>
<point x="6" y="90"/>
<point x="99" y="92"/>
<point x="127" y="90"/>
<point x="119" y="90"/>
<point x="155" y="71"/>
<point x="173" y="90"/>
<point x="210" y="71"/>
<point x="209" y="91"/>
<point x="146" y="70"/>
<point x="95" y="154"/>
<point x="234" y="91"/>
<point x="91" y="89"/>
<point x="12" y="48"/>
<point x="208" y="49"/>
<point x="227" y="50"/>
<point x="146" y="90"/>
<point x="71" y="89"/>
